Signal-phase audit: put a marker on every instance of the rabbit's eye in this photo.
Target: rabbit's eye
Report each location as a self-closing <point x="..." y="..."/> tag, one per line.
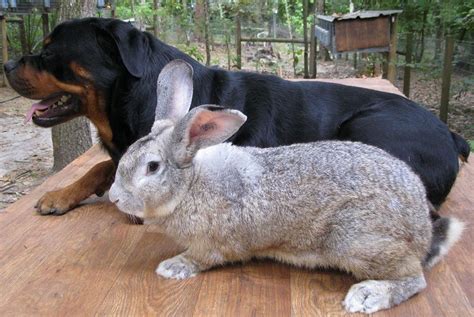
<point x="152" y="167"/>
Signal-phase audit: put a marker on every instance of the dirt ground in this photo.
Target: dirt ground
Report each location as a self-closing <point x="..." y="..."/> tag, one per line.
<point x="26" y="155"/>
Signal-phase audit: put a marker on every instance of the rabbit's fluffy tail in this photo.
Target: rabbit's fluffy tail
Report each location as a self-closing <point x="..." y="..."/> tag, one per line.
<point x="446" y="231"/>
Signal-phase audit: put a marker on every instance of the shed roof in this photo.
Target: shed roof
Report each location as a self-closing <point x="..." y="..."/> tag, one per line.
<point x="359" y="15"/>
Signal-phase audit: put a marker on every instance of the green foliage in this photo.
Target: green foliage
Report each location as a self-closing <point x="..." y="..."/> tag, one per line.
<point x="193" y="51"/>
<point x="144" y="12"/>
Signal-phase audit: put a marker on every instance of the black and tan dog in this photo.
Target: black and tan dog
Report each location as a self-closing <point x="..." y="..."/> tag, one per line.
<point x="106" y="70"/>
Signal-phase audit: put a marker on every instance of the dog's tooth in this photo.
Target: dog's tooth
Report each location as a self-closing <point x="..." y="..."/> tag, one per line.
<point x="60" y="103"/>
<point x="64" y="98"/>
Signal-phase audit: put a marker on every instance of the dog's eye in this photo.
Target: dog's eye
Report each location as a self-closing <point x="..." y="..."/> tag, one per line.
<point x="152" y="167"/>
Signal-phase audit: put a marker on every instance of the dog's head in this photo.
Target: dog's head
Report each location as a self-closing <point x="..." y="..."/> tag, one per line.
<point x="75" y="71"/>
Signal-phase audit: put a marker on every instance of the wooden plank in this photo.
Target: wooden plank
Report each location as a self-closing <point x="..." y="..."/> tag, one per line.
<point x="446" y="83"/>
<point x="358" y="34"/>
<point x="368" y="83"/>
<point x="156" y="4"/>
<point x="459" y="204"/>
<point x="75" y="269"/>
<point x="318" y="292"/>
<point x="238" y="41"/>
<point x="271" y="40"/>
<point x="31" y="251"/>
<point x="305" y="38"/>
<point x="408" y="66"/>
<point x="312" y="52"/>
<point x="3" y="29"/>
<point x="45" y="24"/>
<point x="21" y="26"/>
<point x="256" y="289"/>
<point x="140" y="292"/>
<point x="92" y="261"/>
<point x="392" y="54"/>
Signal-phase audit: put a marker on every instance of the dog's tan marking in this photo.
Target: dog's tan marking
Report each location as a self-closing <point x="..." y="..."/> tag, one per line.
<point x="80" y="71"/>
<point x="45" y="84"/>
<point x="95" y="181"/>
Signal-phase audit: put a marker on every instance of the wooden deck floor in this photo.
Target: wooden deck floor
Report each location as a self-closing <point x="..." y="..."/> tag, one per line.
<point x="92" y="261"/>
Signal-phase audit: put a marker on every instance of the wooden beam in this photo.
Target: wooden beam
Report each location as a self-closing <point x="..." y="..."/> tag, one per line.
<point x="14" y="20"/>
<point x="312" y="51"/>
<point x="156" y="4"/>
<point x="21" y="26"/>
<point x="305" y="37"/>
<point x="392" y="55"/>
<point x="446" y="84"/>
<point x="407" y="69"/>
<point x="238" y="41"/>
<point x="93" y="261"/>
<point x="45" y="21"/>
<point x="270" y="40"/>
<point x="3" y="28"/>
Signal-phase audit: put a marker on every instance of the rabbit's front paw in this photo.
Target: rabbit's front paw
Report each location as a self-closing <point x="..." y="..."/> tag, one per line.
<point x="177" y="267"/>
<point x="367" y="297"/>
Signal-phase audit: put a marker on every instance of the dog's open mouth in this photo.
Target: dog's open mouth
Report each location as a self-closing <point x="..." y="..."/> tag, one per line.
<point x="54" y="110"/>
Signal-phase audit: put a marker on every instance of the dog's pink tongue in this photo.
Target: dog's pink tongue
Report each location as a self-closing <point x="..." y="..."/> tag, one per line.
<point x="34" y="107"/>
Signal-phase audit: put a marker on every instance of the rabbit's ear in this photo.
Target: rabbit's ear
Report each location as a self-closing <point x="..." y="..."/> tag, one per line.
<point x="174" y="91"/>
<point x="204" y="126"/>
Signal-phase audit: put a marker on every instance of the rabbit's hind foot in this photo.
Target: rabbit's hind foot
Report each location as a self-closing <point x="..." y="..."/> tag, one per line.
<point x="178" y="267"/>
<point x="374" y="295"/>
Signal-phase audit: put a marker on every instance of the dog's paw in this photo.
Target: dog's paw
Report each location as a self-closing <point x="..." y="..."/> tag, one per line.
<point x="367" y="297"/>
<point x="177" y="267"/>
<point x="56" y="202"/>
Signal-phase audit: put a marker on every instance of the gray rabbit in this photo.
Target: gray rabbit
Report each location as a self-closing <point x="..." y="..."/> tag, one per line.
<point x="328" y="204"/>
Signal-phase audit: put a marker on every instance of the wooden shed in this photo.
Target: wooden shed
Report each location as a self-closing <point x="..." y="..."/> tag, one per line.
<point x="361" y="31"/>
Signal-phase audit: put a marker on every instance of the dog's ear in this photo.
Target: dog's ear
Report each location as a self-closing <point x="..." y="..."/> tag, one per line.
<point x="131" y="43"/>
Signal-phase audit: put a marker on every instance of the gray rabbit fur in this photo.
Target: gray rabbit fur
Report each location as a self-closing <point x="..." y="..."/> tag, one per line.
<point x="332" y="204"/>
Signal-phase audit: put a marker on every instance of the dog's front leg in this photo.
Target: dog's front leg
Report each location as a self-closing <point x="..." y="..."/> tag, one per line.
<point x="96" y="181"/>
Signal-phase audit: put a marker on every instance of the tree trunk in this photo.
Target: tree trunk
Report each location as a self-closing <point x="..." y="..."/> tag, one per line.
<point x="187" y="30"/>
<point x="199" y="19"/>
<point x="422" y="40"/>
<point x="323" y="52"/>
<point x="156" y="21"/>
<point x="206" y="32"/>
<point x="72" y="138"/>
<point x="288" y="21"/>
<point x="439" y="31"/>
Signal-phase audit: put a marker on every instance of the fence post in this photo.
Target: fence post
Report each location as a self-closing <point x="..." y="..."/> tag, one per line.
<point x="238" y="41"/>
<point x="305" y="34"/>
<point x="45" y="21"/>
<point x="3" y="26"/>
<point x="155" y="17"/>
<point x="312" y="51"/>
<point x="407" y="69"/>
<point x="392" y="55"/>
<point x="446" y="84"/>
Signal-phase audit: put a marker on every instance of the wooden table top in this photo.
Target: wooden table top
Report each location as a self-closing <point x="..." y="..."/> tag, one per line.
<point x="92" y="261"/>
